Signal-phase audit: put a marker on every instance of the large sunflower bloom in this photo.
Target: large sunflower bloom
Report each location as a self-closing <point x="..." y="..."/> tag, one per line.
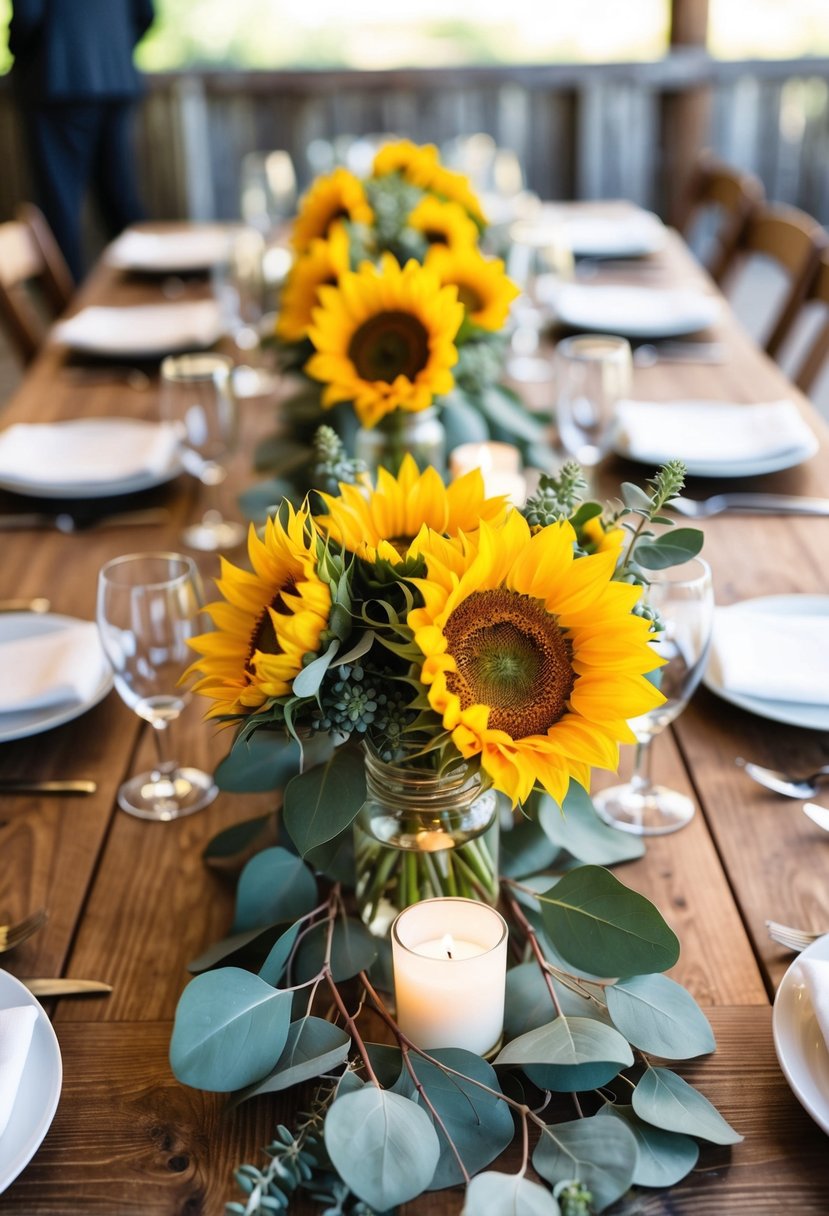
<point x="483" y="286"/>
<point x="416" y="162"/>
<point x="532" y="657"/>
<point x="268" y="620"/>
<point x="443" y="224"/>
<point x="385" y="339"/>
<point x="335" y="196"/>
<point x="389" y="522"/>
<point x="455" y="187"/>
<point x="324" y="262"/>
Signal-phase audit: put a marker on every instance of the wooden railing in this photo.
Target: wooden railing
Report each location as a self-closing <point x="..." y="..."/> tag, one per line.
<point x="580" y="131"/>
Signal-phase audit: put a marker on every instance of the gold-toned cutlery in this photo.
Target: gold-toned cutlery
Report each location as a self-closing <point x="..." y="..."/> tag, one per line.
<point x="66" y="987"/>
<point x="15" y="785"/>
<point x="38" y="604"/>
<point x="65" y="521"/>
<point x="17" y="932"/>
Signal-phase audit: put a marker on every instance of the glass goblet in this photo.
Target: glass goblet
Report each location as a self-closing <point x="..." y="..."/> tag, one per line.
<point x="539" y="260"/>
<point x="683" y="598"/>
<point x="595" y="372"/>
<point x="147" y="609"/>
<point x="197" y="397"/>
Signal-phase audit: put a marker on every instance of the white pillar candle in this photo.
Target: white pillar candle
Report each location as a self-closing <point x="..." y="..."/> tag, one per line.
<point x="450" y="965"/>
<point x="484" y="456"/>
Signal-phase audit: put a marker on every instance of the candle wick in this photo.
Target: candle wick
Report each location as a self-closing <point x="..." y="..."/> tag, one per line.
<point x="448" y="953"/>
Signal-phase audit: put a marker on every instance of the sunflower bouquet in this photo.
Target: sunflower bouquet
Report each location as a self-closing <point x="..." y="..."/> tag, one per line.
<point x="451" y="637"/>
<point x="391" y="308"/>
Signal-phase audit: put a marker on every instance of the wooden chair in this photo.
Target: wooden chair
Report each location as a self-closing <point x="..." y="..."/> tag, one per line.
<point x="32" y="269"/>
<point x="734" y="194"/>
<point x="794" y="241"/>
<point x="817" y="350"/>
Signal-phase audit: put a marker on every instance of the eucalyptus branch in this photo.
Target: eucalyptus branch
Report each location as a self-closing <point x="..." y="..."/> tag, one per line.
<point x="529" y="932"/>
<point x="424" y="1097"/>
<point x="352" y="1026"/>
<point x="525" y="1143"/>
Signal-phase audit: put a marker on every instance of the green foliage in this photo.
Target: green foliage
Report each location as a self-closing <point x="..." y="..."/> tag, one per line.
<point x="664" y="1099"/>
<point x="586" y="1054"/>
<point x="275" y="885"/>
<point x="313" y="1047"/>
<point x="576" y="827"/>
<point x="601" y="1154"/>
<point x="494" y="1194"/>
<point x="664" y="1158"/>
<point x="659" y="1016"/>
<point x="322" y="803"/>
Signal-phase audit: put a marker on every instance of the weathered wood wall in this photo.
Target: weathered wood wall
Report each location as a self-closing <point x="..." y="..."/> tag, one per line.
<point x="580" y="131"/>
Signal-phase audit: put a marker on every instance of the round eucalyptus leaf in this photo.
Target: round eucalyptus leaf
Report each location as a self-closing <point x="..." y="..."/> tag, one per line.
<point x="568" y="1042"/>
<point x="321" y="803"/>
<point x="479" y="1123"/>
<point x="525" y="849"/>
<point x="529" y="1005"/>
<point x="258" y="762"/>
<point x="274" y="965"/>
<point x="665" y="1100"/>
<point x="236" y="950"/>
<point x="236" y="839"/>
<point x="494" y="1194"/>
<point x="382" y="1145"/>
<point x="230" y="1030"/>
<point x="659" y="1016"/>
<point x="601" y="1153"/>
<point x="576" y="827"/>
<point x="353" y="949"/>
<point x="274" y="885"/>
<point x="664" y="1157"/>
<point x="313" y="1047"/>
<point x="598" y="923"/>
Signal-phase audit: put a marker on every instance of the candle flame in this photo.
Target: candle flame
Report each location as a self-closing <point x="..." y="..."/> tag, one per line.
<point x="448" y="944"/>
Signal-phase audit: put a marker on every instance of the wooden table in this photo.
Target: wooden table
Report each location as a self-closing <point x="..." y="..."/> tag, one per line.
<point x="131" y="902"/>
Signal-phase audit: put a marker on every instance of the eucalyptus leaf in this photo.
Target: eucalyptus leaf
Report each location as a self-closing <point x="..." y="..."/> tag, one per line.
<point x="479" y="1123"/>
<point x="307" y="682"/>
<point x="259" y="762"/>
<point x="576" y="827"/>
<point x="659" y="1016"/>
<point x="671" y="549"/>
<point x="313" y="1047"/>
<point x="274" y="965"/>
<point x="461" y="421"/>
<point x="634" y="496"/>
<point x="236" y="839"/>
<point x="569" y="1053"/>
<point x="324" y="802"/>
<point x="601" y="1153"/>
<point x="598" y="923"/>
<point x="274" y="885"/>
<point x="529" y="1005"/>
<point x="335" y="859"/>
<point x="230" y="1029"/>
<point x="238" y="948"/>
<point x="665" y="1100"/>
<point x="525" y="849"/>
<point x="382" y="1145"/>
<point x="548" y="949"/>
<point x="664" y="1157"/>
<point x="505" y="413"/>
<point x="353" y="949"/>
<point x="494" y="1194"/>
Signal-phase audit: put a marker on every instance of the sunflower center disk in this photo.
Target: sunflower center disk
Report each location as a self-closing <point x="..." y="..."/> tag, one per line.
<point x="511" y="655"/>
<point x="389" y="345"/>
<point x="469" y="297"/>
<point x="264" y="636"/>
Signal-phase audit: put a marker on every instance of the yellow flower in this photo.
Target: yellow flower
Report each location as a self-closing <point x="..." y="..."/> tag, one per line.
<point x="268" y="620"/>
<point x="483" y="287"/>
<point x="416" y="162"/>
<point x="385" y="339"/>
<point x="455" y="187"/>
<point x="338" y="195"/>
<point x="325" y="262"/>
<point x="443" y="224"/>
<point x="532" y="657"/>
<point x="596" y="538"/>
<point x="389" y="522"/>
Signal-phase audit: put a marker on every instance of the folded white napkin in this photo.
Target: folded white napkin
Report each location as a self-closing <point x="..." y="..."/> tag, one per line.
<point x="190" y="249"/>
<point x="769" y="655"/>
<point x="614" y="235"/>
<point x="814" y="973"/>
<point x="717" y="432"/>
<point x="86" y="450"/>
<point x="142" y="328"/>
<point x="16" y="1026"/>
<point x="63" y="667"/>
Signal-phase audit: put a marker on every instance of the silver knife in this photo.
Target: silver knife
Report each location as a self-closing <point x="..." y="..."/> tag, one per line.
<point x="65" y="521"/>
<point x="65" y="987"/>
<point x="11" y="785"/>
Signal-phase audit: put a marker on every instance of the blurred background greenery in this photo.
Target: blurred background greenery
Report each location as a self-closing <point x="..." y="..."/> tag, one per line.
<point x="275" y="34"/>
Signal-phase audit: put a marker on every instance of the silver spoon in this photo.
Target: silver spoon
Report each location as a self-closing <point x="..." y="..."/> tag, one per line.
<point x="785" y="783"/>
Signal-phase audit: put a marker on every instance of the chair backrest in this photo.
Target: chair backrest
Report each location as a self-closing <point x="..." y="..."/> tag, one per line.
<point x="735" y="194"/>
<point x="793" y="240"/>
<point x="30" y="255"/>
<point x="818" y="350"/>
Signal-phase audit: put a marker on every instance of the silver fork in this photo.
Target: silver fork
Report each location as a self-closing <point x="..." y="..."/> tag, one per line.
<point x="749" y="504"/>
<point x="791" y="938"/>
<point x="14" y="934"/>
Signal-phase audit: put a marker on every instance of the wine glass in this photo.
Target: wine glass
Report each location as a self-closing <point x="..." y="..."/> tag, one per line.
<point x="197" y="396"/>
<point x="683" y="599"/>
<point x="148" y="608"/>
<point x="595" y="372"/>
<point x="539" y="261"/>
<point x="267" y="189"/>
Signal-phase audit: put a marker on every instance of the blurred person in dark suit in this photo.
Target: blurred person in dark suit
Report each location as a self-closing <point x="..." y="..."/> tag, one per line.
<point x="76" y="86"/>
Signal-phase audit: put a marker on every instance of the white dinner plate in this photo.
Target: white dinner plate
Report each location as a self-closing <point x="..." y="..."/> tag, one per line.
<point x="800" y="1046"/>
<point x="195" y="248"/>
<point x="37" y="1098"/>
<point x="19" y="724"/>
<point x="635" y="312"/>
<point x="142" y="331"/>
<point x="77" y="430"/>
<point x="633" y="234"/>
<point x="793" y="713"/>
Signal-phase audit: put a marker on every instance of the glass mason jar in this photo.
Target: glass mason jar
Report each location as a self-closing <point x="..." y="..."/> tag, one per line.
<point x="384" y="445"/>
<point x="421" y="835"/>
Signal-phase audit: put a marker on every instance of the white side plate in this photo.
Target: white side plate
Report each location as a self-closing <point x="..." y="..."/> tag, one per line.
<point x="800" y="1046"/>
<point x="635" y="312"/>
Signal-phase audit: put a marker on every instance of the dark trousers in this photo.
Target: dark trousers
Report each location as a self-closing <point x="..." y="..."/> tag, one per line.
<point x="77" y="146"/>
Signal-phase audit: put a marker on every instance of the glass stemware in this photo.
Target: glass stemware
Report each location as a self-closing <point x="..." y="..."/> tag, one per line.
<point x="683" y="598"/>
<point x="148" y="607"/>
<point x="539" y="260"/>
<point x="197" y="396"/>
<point x="595" y="372"/>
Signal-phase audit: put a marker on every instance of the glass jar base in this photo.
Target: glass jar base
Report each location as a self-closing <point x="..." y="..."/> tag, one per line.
<point x="163" y="799"/>
<point x="657" y="811"/>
